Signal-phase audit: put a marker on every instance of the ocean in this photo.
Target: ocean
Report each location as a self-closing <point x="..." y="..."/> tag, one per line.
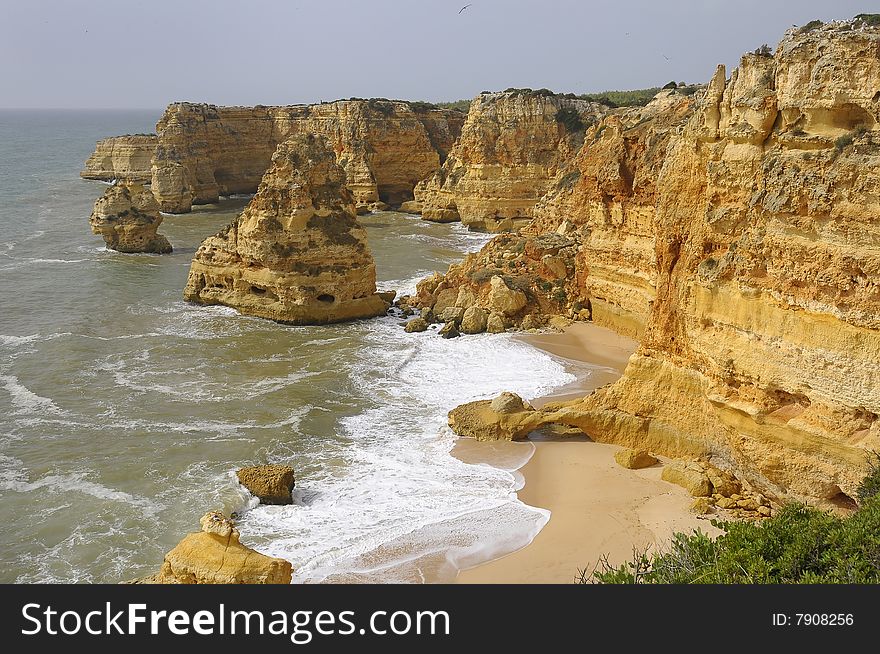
<point x="124" y="411"/>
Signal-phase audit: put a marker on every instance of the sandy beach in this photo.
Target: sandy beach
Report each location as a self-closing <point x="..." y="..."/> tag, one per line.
<point x="597" y="507"/>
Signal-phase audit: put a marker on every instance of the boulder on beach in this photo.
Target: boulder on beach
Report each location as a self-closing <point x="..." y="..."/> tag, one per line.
<point x="689" y="476"/>
<point x="272" y="484"/>
<point x="634" y="459"/>
<point x="505" y="418"/>
<point x="449" y="330"/>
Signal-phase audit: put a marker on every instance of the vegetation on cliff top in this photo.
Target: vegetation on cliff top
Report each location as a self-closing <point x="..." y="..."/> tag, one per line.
<point x="799" y="545"/>
<point x="869" y="19"/>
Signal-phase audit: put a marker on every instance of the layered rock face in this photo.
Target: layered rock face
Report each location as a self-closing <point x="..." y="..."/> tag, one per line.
<point x="511" y="147"/>
<point x="606" y="201"/>
<point x="215" y="556"/>
<point x="123" y="158"/>
<point x="385" y="147"/>
<point x="297" y="253"/>
<point x="761" y="344"/>
<point x="589" y="251"/>
<point x="127" y="217"/>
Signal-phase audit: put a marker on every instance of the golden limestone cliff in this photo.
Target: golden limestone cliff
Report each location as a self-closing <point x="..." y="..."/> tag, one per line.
<point x="297" y="253"/>
<point x="589" y="251"/>
<point x="203" y="151"/>
<point x="510" y="149"/>
<point x="127" y="217"/>
<point x="761" y="350"/>
<point x="123" y="158"/>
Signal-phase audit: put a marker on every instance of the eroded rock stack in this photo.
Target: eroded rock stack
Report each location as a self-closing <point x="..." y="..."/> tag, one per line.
<point x="297" y="253"/>
<point x="510" y="149"/>
<point x="214" y="555"/>
<point x="127" y="217"/>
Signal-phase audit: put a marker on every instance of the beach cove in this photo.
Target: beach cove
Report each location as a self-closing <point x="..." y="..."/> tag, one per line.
<point x="597" y="508"/>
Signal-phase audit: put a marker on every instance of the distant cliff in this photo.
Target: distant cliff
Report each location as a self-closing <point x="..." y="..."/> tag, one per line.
<point x="511" y="147"/>
<point x="126" y="158"/>
<point x="203" y="151"/>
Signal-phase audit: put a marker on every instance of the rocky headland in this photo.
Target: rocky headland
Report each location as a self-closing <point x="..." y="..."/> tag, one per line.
<point x="511" y="147"/>
<point x="296" y="254"/>
<point x="122" y="158"/>
<point x="735" y="233"/>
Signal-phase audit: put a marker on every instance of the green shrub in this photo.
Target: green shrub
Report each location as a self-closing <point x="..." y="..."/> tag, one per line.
<point x="870" y="486"/>
<point x="809" y="27"/>
<point x="847" y="139"/>
<point x="799" y="545"/>
<point x="421" y="107"/>
<point x="763" y="51"/>
<point x="670" y="85"/>
<point x="613" y="99"/>
<point x="381" y="105"/>
<point x="570" y="118"/>
<point x="484" y="275"/>
<point x="569" y="179"/>
<point x="843" y="142"/>
<point x="460" y="105"/>
<point x="868" y="19"/>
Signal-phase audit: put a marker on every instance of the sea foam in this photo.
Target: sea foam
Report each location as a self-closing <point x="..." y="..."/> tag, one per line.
<point x="405" y="509"/>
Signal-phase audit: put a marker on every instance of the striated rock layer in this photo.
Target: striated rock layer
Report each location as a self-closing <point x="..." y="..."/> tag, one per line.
<point x="297" y="253"/>
<point x="589" y="252"/>
<point x="510" y="149"/>
<point x="127" y="217"/>
<point x="203" y="151"/>
<point x="745" y="248"/>
<point x="123" y="158"/>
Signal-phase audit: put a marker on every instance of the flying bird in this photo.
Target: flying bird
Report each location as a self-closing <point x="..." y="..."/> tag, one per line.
<point x="463" y="8"/>
<point x="665" y="57"/>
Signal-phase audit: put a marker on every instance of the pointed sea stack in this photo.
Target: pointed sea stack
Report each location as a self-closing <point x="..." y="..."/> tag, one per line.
<point x="297" y="253"/>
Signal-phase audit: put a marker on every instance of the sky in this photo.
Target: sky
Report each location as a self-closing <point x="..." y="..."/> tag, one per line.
<point x="135" y="54"/>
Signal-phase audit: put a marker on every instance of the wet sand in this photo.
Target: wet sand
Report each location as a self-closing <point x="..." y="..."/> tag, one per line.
<point x="596" y="507"/>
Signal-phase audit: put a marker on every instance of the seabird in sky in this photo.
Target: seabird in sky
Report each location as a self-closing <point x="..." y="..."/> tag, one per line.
<point x="463" y="8"/>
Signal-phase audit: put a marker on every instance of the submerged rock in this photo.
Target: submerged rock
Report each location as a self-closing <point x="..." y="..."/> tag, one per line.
<point x="449" y="330"/>
<point x="272" y="484"/>
<point x="127" y="217"/>
<point x="416" y="325"/>
<point x="297" y="253"/>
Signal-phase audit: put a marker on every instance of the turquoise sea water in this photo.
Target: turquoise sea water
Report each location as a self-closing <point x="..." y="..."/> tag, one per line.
<point x="124" y="411"/>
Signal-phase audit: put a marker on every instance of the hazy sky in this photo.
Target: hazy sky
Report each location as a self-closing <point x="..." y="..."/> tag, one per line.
<point x="129" y="53"/>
